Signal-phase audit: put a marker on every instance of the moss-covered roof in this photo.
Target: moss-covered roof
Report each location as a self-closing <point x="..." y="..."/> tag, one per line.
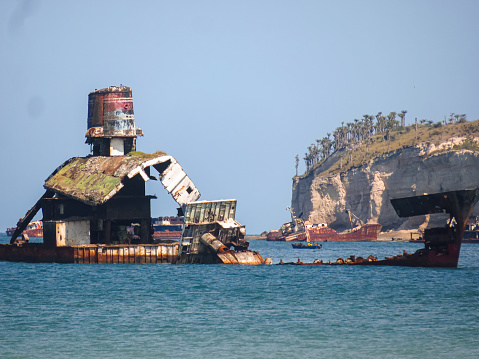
<point x="94" y="180"/>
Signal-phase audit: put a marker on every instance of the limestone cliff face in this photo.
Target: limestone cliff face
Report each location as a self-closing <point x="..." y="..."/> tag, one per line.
<point x="367" y="190"/>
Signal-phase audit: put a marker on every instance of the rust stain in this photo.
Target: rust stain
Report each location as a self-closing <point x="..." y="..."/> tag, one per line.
<point x="91" y="253"/>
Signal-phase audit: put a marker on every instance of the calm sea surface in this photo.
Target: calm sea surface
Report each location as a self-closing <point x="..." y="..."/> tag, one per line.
<point x="208" y="311"/>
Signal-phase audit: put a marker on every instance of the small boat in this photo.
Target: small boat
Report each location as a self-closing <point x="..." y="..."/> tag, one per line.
<point x="309" y="245"/>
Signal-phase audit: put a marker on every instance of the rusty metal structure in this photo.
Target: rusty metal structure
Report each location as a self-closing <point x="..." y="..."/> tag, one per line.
<point x="95" y="208"/>
<point x="97" y="198"/>
<point x="299" y="230"/>
<point x="111" y="121"/>
<point x="91" y="253"/>
<point x="364" y="232"/>
<point x="295" y="230"/>
<point x="211" y="231"/>
<point x="442" y="245"/>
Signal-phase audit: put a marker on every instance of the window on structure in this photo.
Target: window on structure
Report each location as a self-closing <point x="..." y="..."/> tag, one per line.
<point x="189" y="190"/>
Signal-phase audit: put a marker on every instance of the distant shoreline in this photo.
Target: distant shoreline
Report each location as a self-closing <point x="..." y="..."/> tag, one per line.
<point x="399" y="236"/>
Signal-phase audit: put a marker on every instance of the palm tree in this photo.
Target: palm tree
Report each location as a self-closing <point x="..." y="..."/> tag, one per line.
<point x="451" y="118"/>
<point x="307" y="160"/>
<point x="349" y="132"/>
<point x="389" y="127"/>
<point x="402" y="115"/>
<point x="392" y="119"/>
<point x="370" y="126"/>
<point x="379" y="127"/>
<point x="336" y="136"/>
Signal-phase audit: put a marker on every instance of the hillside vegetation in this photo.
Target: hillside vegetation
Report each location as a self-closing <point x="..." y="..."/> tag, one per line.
<point x="360" y="148"/>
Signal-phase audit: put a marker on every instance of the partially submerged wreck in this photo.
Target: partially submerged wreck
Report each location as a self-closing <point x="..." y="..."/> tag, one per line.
<point x="299" y="230"/>
<point x="210" y="231"/>
<point x="442" y="245"/>
<point x="95" y="208"/>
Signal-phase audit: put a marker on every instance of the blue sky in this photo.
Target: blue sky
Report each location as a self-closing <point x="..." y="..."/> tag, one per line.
<point x="232" y="89"/>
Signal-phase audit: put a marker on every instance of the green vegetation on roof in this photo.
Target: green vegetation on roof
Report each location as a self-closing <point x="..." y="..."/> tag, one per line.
<point x="143" y="155"/>
<point x="92" y="179"/>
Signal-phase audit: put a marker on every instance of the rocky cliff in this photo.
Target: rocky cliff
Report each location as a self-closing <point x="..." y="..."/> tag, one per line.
<point x="366" y="190"/>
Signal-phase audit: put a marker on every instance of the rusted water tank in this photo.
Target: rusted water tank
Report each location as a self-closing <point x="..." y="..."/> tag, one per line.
<point x="112" y="109"/>
<point x="111" y="122"/>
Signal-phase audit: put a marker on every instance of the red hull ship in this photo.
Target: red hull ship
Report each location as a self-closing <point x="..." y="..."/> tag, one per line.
<point x="298" y="230"/>
<point x="34" y="229"/>
<point x="167" y="228"/>
<point x="442" y="245"/>
<point x="365" y="232"/>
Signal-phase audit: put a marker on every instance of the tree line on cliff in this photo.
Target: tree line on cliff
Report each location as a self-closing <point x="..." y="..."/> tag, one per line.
<point x="362" y="131"/>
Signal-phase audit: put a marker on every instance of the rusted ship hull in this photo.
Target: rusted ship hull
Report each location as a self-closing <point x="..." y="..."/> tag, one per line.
<point x="167" y="228"/>
<point x="421" y="258"/>
<point x="442" y="245"/>
<point x="33" y="229"/>
<point x="300" y="236"/>
<point x="289" y="231"/>
<point x="93" y="253"/>
<point x="167" y="235"/>
<point x="367" y="232"/>
<point x="37" y="232"/>
<point x="274" y="236"/>
<point x="210" y="233"/>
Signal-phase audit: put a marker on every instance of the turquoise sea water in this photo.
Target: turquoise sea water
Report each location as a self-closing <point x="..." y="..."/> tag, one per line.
<point x="208" y="311"/>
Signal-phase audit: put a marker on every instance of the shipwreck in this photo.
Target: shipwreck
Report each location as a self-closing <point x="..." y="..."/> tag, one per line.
<point x="299" y="230"/>
<point x="96" y="210"/>
<point x="442" y="245"/>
